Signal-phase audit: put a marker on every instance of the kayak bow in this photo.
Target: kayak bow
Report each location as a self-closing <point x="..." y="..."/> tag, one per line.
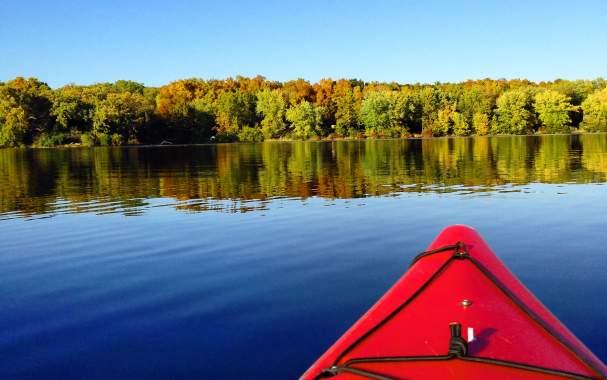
<point x="458" y="313"/>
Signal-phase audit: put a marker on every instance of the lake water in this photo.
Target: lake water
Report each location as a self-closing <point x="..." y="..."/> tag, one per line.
<point x="249" y="260"/>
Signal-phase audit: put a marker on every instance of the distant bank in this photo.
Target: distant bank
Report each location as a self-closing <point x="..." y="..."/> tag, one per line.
<point x="256" y="109"/>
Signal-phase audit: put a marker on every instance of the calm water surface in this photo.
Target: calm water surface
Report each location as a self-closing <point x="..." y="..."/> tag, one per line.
<point x="247" y="261"/>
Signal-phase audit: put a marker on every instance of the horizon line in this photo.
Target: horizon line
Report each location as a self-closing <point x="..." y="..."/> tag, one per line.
<point x="237" y="76"/>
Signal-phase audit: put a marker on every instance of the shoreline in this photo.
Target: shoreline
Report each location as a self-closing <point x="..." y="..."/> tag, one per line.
<point x="191" y="111"/>
<point x="319" y="140"/>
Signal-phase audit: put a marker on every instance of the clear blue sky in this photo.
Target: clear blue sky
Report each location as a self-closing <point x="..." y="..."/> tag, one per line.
<point x="155" y="42"/>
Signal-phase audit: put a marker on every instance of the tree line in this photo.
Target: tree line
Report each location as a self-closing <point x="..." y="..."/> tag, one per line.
<point x="257" y="109"/>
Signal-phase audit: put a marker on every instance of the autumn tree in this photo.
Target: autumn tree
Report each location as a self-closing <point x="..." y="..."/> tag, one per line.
<point x="250" y="109"/>
<point x="325" y="101"/>
<point x="480" y="123"/>
<point x="432" y="100"/>
<point x="173" y="100"/>
<point x="296" y="91"/>
<point x="444" y="121"/>
<point x="460" y="125"/>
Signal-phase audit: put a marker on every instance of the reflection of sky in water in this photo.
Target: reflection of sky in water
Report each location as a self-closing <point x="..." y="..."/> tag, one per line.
<point x="257" y="276"/>
<point x="139" y="206"/>
<point x="270" y="272"/>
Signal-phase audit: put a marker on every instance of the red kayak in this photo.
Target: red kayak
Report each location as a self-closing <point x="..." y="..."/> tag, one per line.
<point x="458" y="313"/>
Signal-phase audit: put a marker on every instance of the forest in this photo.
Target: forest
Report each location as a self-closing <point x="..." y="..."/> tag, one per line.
<point x="256" y="109"/>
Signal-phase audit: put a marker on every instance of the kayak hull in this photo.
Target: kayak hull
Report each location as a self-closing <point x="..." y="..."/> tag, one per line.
<point x="500" y="321"/>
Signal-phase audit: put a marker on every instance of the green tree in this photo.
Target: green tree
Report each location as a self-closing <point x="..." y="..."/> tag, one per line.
<point x="553" y="111"/>
<point x="460" y="125"/>
<point x="595" y="112"/>
<point x="480" y="123"/>
<point x="240" y="108"/>
<point x="576" y="91"/>
<point x="71" y="109"/>
<point x="305" y="120"/>
<point x="474" y="100"/>
<point x="376" y="113"/>
<point x="235" y="110"/>
<point x="513" y="113"/>
<point x="129" y="86"/>
<point x="13" y="120"/>
<point x="202" y="115"/>
<point x="272" y="106"/>
<point x="406" y="112"/>
<point x="121" y="113"/>
<point x="432" y="100"/>
<point x="32" y="98"/>
<point x="385" y="113"/>
<point x="250" y="134"/>
<point x="346" y="114"/>
<point x="444" y="121"/>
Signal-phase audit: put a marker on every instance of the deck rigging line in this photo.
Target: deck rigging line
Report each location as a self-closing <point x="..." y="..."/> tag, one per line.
<point x="459" y="252"/>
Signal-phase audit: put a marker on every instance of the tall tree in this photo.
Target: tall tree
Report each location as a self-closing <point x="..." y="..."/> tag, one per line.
<point x="272" y="106"/>
<point x="13" y="120"/>
<point x="203" y="120"/>
<point x="407" y="112"/>
<point x="122" y="114"/>
<point x="553" y="111"/>
<point x="513" y="113"/>
<point x="235" y="110"/>
<point x="474" y="100"/>
<point x="444" y="121"/>
<point x="480" y="123"/>
<point x="432" y="100"/>
<point x="26" y="109"/>
<point x="172" y="101"/>
<point x="129" y="86"/>
<point x="595" y="112"/>
<point x="305" y="120"/>
<point x="460" y="125"/>
<point x="375" y="113"/>
<point x="346" y="114"/>
<point x="298" y="90"/>
<point x="71" y="109"/>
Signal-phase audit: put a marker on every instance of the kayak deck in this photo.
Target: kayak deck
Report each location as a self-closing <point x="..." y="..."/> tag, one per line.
<point x="505" y="331"/>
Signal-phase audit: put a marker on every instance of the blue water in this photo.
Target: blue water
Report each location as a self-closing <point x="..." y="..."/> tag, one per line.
<point x="166" y="292"/>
